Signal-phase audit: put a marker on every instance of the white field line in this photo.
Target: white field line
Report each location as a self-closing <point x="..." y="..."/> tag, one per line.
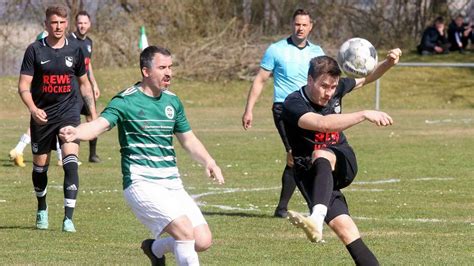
<point x="393" y="180"/>
<point x="231" y="190"/>
<point x="433" y="178"/>
<point x="412" y="220"/>
<point x="439" y="121"/>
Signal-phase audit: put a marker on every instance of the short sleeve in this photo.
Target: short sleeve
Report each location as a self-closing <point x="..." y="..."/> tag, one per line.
<point x="345" y="85"/>
<point x="268" y="60"/>
<point x="182" y="124"/>
<point x="28" y="64"/>
<point x="80" y="63"/>
<point x="294" y="108"/>
<point x="113" y="112"/>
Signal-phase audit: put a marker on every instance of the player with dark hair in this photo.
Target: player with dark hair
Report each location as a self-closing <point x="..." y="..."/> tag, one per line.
<point x="49" y="68"/>
<point x="147" y="115"/>
<point x="324" y="161"/>
<point x="83" y="24"/>
<point x="288" y="61"/>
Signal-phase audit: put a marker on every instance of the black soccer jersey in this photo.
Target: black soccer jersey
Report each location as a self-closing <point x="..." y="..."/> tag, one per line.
<point x="302" y="141"/>
<point x="86" y="47"/>
<point x="54" y="71"/>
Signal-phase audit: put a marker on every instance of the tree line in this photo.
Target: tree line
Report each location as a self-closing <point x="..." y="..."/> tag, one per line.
<point x="215" y="39"/>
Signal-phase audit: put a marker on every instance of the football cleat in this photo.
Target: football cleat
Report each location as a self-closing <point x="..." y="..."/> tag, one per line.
<point x="308" y="226"/>
<point x="155" y="261"/>
<point x="94" y="159"/>
<point x="280" y="213"/>
<point x="17" y="158"/>
<point x="68" y="226"/>
<point x="42" y="219"/>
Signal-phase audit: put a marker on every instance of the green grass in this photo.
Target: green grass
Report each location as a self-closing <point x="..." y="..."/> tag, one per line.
<point x="424" y="215"/>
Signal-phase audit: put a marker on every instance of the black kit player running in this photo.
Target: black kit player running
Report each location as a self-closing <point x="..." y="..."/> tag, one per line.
<point x="86" y="46"/>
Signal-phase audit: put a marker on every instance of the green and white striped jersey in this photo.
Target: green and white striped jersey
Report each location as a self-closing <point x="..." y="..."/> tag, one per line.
<point x="145" y="129"/>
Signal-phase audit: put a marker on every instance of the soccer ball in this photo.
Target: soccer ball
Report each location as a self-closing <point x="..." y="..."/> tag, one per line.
<point x="357" y="57"/>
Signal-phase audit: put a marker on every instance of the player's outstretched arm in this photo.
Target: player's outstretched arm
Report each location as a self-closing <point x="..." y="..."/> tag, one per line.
<point x="340" y="122"/>
<point x="198" y="152"/>
<point x="85" y="131"/>
<point x="393" y="57"/>
<point x="254" y="92"/>
<point x="87" y="95"/>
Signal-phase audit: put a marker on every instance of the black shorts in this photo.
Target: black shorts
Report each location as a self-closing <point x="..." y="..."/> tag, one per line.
<point x="343" y="175"/>
<point x="43" y="137"/>
<point x="277" y="109"/>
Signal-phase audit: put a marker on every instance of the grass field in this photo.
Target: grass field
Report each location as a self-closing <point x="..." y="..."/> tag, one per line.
<point x="412" y="200"/>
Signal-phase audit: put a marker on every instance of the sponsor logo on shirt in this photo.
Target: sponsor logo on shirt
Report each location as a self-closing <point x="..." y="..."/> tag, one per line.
<point x="44" y="62"/>
<point x="56" y="83"/>
<point x="323" y="140"/>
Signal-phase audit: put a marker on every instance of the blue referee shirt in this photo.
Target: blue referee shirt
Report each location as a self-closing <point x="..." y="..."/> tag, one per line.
<point x="289" y="64"/>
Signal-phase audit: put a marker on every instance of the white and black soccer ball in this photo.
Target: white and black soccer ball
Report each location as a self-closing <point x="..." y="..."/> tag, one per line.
<point x="357" y="57"/>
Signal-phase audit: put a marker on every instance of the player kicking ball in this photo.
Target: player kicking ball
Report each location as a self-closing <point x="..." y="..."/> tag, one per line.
<point x="147" y="117"/>
<point x="324" y="161"/>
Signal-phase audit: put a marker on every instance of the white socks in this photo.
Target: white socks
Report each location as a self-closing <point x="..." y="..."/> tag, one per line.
<point x="25" y="139"/>
<point x="162" y="246"/>
<point x="185" y="253"/>
<point x="318" y="215"/>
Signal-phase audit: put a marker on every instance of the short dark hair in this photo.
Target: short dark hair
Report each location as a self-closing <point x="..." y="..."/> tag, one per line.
<point x="60" y="11"/>
<point x="146" y="56"/>
<point x="83" y="13"/>
<point x="321" y="65"/>
<point x="439" y="20"/>
<point x="301" y="12"/>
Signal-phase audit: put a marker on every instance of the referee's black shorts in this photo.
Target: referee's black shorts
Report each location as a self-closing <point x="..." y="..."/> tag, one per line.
<point x="43" y="137"/>
<point x="343" y="175"/>
<point x="277" y="109"/>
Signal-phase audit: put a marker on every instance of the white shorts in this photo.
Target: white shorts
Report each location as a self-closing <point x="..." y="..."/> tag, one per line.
<point x="156" y="205"/>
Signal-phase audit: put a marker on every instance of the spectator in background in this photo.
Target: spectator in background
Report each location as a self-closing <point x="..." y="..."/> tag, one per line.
<point x="459" y="33"/>
<point x="434" y="39"/>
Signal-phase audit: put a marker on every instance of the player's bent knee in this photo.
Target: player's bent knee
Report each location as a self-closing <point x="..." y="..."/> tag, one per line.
<point x="203" y="238"/>
<point x="327" y="154"/>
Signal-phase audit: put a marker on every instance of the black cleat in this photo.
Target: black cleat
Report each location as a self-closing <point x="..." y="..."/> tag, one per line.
<point x="280" y="213"/>
<point x="155" y="261"/>
<point x="94" y="159"/>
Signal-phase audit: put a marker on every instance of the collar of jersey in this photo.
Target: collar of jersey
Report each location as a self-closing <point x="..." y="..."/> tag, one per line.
<point x="290" y="42"/>
<point x="46" y="44"/>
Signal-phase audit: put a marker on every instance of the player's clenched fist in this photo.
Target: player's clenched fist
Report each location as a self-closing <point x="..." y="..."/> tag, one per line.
<point x="68" y="134"/>
<point x="378" y="118"/>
